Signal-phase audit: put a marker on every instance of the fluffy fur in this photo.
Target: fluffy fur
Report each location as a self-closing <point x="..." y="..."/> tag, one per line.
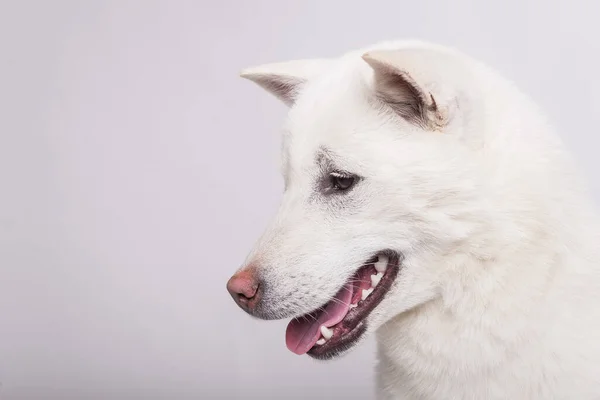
<point x="460" y="173"/>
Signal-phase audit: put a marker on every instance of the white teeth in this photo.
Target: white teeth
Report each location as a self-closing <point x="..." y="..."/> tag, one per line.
<point x="321" y="341"/>
<point x="381" y="264"/>
<point x="353" y="306"/>
<point x="326" y="332"/>
<point x="366" y="293"/>
<point x="375" y="279"/>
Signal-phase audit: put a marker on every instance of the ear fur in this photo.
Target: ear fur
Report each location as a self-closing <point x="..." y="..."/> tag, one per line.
<point x="400" y="82"/>
<point x="285" y="80"/>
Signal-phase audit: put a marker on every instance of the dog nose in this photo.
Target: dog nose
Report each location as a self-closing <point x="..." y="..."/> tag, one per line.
<point x="244" y="287"/>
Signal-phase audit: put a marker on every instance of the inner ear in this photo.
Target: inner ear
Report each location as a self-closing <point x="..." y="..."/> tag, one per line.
<point x="401" y="89"/>
<point x="285" y="80"/>
<point x="401" y="92"/>
<point x="285" y="88"/>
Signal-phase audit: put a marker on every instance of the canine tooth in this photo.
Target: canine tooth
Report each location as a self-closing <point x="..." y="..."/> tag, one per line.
<point x="353" y="306"/>
<point x="375" y="279"/>
<point x="326" y="332"/>
<point x="321" y="341"/>
<point x="366" y="293"/>
<point x="381" y="264"/>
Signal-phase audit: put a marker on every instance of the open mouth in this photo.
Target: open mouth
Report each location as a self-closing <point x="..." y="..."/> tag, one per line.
<point x="339" y="324"/>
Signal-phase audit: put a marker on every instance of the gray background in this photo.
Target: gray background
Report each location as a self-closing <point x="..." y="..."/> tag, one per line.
<point x="137" y="170"/>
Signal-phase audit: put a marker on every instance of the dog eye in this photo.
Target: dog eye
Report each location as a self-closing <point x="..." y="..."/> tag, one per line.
<point x="342" y="182"/>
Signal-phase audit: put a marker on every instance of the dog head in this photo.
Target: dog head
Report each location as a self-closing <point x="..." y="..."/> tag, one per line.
<point x="380" y="180"/>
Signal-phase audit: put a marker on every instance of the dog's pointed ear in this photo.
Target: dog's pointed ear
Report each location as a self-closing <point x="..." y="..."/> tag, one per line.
<point x="285" y="80"/>
<point x="401" y="82"/>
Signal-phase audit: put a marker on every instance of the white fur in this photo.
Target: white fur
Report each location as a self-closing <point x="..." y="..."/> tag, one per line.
<point x="498" y="295"/>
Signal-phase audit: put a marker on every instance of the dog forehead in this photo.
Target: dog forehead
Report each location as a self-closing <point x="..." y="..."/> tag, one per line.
<point x="332" y="112"/>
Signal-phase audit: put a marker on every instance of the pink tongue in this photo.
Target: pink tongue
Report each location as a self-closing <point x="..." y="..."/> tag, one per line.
<point x="303" y="333"/>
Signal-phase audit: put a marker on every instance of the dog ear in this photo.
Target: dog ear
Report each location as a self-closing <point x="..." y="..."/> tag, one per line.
<point x="285" y="80"/>
<point x="401" y="81"/>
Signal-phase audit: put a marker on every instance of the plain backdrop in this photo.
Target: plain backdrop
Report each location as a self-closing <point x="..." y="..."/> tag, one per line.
<point x="137" y="170"/>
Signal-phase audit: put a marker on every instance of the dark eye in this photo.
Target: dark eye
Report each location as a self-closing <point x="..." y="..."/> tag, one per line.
<point x="341" y="182"/>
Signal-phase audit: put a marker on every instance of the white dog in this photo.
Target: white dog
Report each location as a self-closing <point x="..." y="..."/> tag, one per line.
<point x="427" y="200"/>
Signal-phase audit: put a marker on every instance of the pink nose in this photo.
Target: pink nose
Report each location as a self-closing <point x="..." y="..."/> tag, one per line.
<point x="244" y="287"/>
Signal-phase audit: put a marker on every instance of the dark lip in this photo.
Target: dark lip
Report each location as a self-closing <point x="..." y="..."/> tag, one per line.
<point x="351" y="329"/>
